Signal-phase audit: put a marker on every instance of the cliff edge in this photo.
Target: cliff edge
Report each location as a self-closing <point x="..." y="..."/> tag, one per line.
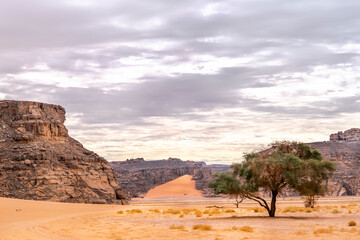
<point x="40" y="161"/>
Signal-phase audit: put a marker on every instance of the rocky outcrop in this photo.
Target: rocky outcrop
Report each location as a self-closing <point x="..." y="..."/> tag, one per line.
<point x="351" y="135"/>
<point x="38" y="159"/>
<point x="344" y="150"/>
<point x="138" y="176"/>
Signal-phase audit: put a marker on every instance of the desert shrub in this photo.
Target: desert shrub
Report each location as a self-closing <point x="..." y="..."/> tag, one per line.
<point x="293" y="209"/>
<point x="246" y="229"/>
<point x="256" y="209"/>
<point x="154" y="210"/>
<point x="134" y="211"/>
<point x="215" y="211"/>
<point x="198" y="213"/>
<point x="206" y="211"/>
<point x="335" y="211"/>
<point x="343" y="206"/>
<point x="181" y="215"/>
<point x="229" y="211"/>
<point x="202" y="227"/>
<point x="173" y="211"/>
<point x="323" y="230"/>
<point x="309" y="210"/>
<point x="187" y="211"/>
<point x="352" y="224"/>
<point x="178" y="227"/>
<point x="243" y="228"/>
<point x="120" y="212"/>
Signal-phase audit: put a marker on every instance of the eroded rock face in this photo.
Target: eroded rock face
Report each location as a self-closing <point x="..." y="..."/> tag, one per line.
<point x="38" y="159"/>
<point x="344" y="150"/>
<point x="138" y="176"/>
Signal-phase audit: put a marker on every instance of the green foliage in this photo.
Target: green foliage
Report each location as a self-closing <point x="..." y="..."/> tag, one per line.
<point x="285" y="165"/>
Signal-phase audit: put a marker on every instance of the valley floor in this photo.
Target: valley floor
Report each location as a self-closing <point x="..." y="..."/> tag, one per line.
<point x="176" y="219"/>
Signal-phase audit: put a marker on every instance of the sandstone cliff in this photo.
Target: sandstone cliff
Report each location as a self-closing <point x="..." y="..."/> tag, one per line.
<point x="38" y="159"/>
<point x="138" y="176"/>
<point x="343" y="149"/>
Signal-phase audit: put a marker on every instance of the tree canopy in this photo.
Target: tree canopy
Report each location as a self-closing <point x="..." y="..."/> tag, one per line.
<point x="286" y="165"/>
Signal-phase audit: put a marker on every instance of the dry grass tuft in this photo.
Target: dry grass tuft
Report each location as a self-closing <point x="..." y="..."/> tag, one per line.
<point x="256" y="209"/>
<point x="335" y="211"/>
<point x="177" y="227"/>
<point x="120" y="212"/>
<point x="202" y="227"/>
<point x="246" y="229"/>
<point x="323" y="230"/>
<point x="173" y="211"/>
<point x="154" y="210"/>
<point x="352" y="224"/>
<point x="134" y="211"/>
<point x="181" y="215"/>
<point x="229" y="211"/>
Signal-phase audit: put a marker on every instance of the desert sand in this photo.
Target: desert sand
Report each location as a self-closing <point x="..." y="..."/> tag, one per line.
<point x="178" y="188"/>
<point x="175" y="219"/>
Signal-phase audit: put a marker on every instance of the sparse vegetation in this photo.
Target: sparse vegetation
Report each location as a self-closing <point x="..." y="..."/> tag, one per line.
<point x="202" y="227"/>
<point x="323" y="230"/>
<point x="120" y="212"/>
<point x="352" y="224"/>
<point x="177" y="227"/>
<point x="291" y="165"/>
<point x="335" y="211"/>
<point x="134" y="211"/>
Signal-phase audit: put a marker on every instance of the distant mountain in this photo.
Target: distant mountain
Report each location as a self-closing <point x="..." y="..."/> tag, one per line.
<point x="137" y="176"/>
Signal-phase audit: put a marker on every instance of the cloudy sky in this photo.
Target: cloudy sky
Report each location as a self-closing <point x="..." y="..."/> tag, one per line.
<point x="194" y="79"/>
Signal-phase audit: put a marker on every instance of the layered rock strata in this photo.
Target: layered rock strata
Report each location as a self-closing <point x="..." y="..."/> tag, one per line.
<point x="344" y="150"/>
<point x="138" y="176"/>
<point x="40" y="161"/>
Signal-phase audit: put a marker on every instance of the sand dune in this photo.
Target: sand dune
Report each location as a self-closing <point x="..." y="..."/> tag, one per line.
<point x="178" y="188"/>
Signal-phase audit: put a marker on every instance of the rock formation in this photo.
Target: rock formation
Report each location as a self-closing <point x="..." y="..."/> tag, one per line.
<point x="343" y="149"/>
<point x="138" y="176"/>
<point x="38" y="159"/>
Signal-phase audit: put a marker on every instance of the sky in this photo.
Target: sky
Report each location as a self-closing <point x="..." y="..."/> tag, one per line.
<point x="192" y="79"/>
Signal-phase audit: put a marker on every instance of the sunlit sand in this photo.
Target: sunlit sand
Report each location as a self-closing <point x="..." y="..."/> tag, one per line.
<point x="175" y="219"/>
<point x="178" y="188"/>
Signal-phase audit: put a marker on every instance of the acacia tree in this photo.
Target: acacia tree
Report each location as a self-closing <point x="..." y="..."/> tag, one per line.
<point x="227" y="183"/>
<point x="290" y="165"/>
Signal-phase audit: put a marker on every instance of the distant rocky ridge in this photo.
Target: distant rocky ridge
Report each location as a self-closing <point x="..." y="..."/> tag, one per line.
<point x="344" y="150"/>
<point x="38" y="159"/>
<point x="138" y="176"/>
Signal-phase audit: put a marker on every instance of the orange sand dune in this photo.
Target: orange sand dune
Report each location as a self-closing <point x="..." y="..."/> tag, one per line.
<point x="180" y="187"/>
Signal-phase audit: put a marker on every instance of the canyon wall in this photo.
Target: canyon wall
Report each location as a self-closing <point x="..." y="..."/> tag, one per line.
<point x="40" y="161"/>
<point x="138" y="176"/>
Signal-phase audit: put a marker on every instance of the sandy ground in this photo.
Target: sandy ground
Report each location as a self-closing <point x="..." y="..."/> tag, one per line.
<point x="178" y="188"/>
<point x="142" y="219"/>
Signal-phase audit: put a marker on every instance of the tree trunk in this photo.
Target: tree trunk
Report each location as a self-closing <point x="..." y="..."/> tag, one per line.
<point x="273" y="203"/>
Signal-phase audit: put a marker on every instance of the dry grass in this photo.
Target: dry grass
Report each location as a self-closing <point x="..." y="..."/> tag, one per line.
<point x="177" y="227"/>
<point x="134" y="211"/>
<point x="229" y="211"/>
<point x="202" y="227"/>
<point x="256" y="209"/>
<point x="120" y="212"/>
<point x="293" y="209"/>
<point x="352" y="224"/>
<point x="173" y="211"/>
<point x="335" y="211"/>
<point x="324" y="230"/>
<point x="243" y="228"/>
<point x="246" y="229"/>
<point x="154" y="210"/>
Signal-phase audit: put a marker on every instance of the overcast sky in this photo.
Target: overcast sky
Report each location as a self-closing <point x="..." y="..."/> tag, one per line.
<point x="194" y="79"/>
